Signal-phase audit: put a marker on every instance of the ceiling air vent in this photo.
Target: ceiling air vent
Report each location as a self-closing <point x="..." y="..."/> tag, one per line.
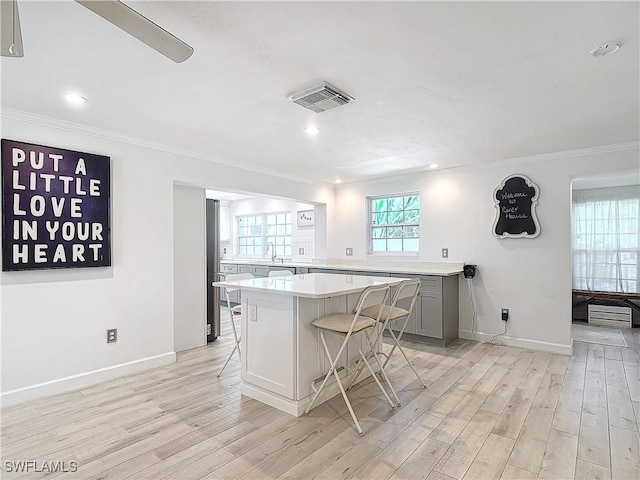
<point x="321" y="98"/>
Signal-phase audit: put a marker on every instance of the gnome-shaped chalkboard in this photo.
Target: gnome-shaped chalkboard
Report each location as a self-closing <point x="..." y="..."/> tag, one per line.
<point x="515" y="201"/>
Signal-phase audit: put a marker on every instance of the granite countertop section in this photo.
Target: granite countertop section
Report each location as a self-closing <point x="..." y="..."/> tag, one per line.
<point x="310" y="285"/>
<point x="442" y="269"/>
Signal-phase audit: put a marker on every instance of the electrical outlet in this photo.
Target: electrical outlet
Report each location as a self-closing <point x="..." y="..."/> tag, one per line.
<point x="300" y="251"/>
<point x="349" y="252"/>
<point x="112" y="335"/>
<point x="505" y="314"/>
<point x="253" y="313"/>
<point x="445" y="253"/>
<point x="208" y="329"/>
<point x="224" y="250"/>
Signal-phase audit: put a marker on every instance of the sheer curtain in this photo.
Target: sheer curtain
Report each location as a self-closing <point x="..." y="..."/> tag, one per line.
<point x="606" y="232"/>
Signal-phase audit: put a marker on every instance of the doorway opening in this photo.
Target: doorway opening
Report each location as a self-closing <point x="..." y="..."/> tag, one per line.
<point x="256" y="234"/>
<point x="605" y="238"/>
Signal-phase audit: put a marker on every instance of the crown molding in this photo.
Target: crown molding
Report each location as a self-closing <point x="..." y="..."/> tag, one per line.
<point x="42" y="120"/>
<point x="51" y="122"/>
<point x="539" y="158"/>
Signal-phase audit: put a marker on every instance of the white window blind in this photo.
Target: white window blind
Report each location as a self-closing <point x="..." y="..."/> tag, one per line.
<point x="606" y="239"/>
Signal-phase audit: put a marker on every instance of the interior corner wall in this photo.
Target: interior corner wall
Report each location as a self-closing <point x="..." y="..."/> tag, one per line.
<point x="531" y="277"/>
<point x="189" y="268"/>
<point x="54" y="322"/>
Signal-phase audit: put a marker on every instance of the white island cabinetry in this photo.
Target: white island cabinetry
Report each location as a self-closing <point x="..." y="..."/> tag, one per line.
<point x="281" y="352"/>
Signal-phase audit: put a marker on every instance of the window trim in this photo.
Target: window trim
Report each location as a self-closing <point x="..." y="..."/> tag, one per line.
<point x="369" y="227"/>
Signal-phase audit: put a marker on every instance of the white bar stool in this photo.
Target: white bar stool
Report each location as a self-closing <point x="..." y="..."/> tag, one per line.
<point x="233" y="313"/>
<point x="347" y="324"/>
<point x="406" y="289"/>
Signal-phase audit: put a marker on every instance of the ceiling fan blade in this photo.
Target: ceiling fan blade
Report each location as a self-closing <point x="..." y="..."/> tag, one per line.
<point x="140" y="27"/>
<point x="10" y="33"/>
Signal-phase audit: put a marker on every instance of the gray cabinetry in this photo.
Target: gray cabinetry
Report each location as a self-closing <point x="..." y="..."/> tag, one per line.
<point x="405" y="303"/>
<point x="226" y="268"/>
<point x="255" y="270"/>
<point x="260" y="271"/>
<point x="370" y="274"/>
<point x="234" y="297"/>
<point x="328" y="270"/>
<point x="435" y="315"/>
<point x="275" y="269"/>
<point x="430" y="322"/>
<point x="413" y="319"/>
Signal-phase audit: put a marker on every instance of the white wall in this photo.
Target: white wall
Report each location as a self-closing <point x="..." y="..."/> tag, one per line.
<point x="301" y="237"/>
<point x="189" y="268"/>
<point x="531" y="277"/>
<point x="54" y="322"/>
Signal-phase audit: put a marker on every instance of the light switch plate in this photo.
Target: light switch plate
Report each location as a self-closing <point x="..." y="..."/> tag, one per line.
<point x="349" y="252"/>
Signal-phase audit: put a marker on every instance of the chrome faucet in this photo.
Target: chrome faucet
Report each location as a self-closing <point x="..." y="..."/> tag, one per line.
<point x="273" y="251"/>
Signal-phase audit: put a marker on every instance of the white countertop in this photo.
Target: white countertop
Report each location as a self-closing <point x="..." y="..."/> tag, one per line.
<point x="310" y="285"/>
<point x="442" y="269"/>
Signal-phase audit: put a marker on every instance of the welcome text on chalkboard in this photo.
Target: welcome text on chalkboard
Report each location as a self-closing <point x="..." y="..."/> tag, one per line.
<point x="55" y="208"/>
<point x="515" y="200"/>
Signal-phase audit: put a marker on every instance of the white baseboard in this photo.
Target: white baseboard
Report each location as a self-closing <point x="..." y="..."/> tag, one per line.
<point x="81" y="380"/>
<point x="518" y="342"/>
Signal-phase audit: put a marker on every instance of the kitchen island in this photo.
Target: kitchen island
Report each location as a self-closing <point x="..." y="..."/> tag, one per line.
<point x="435" y="318"/>
<point x="282" y="355"/>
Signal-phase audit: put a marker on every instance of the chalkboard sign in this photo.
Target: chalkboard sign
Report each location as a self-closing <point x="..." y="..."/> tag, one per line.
<point x="55" y="208"/>
<point x="515" y="201"/>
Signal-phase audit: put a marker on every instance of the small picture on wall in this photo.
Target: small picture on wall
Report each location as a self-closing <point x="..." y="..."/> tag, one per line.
<point x="55" y="208"/>
<point x="305" y="218"/>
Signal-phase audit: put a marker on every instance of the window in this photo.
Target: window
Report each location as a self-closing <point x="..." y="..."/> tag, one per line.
<point x="278" y="227"/>
<point x="606" y="234"/>
<point x="250" y="235"/>
<point x="256" y="231"/>
<point x="394" y="223"/>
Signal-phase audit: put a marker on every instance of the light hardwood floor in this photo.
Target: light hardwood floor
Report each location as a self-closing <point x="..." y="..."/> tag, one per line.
<point x="488" y="412"/>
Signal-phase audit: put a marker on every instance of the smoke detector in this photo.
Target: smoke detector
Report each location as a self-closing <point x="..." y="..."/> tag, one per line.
<point x="321" y="98"/>
<point x="605" y="49"/>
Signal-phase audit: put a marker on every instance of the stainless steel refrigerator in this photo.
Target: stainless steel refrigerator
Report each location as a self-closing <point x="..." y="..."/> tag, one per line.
<point x="213" y="267"/>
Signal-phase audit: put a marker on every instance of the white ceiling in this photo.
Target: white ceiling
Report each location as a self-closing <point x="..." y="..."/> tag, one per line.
<point x="452" y="83"/>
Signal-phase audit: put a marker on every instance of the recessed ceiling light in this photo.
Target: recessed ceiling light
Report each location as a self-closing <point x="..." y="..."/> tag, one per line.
<point x="337" y="180"/>
<point x="433" y="165"/>
<point x="312" y="130"/>
<point x="75" y="99"/>
<point x="605" y="49"/>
